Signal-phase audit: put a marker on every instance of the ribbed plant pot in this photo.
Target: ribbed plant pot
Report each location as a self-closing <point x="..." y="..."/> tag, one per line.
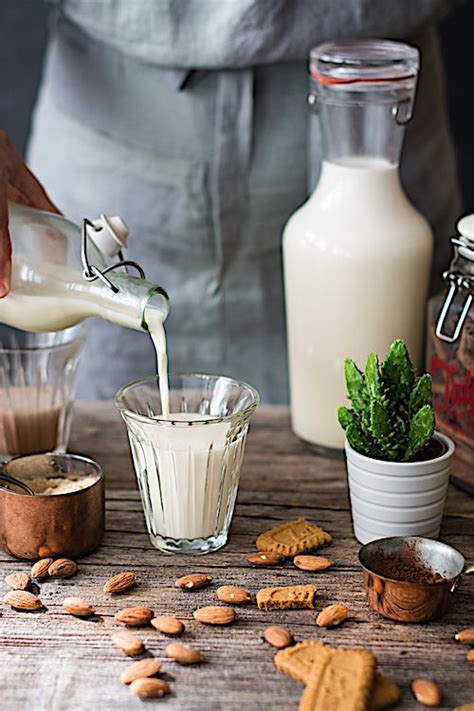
<point x="398" y="498"/>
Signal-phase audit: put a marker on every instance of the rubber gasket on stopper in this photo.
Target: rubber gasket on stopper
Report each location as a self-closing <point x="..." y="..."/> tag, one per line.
<point x="325" y="79"/>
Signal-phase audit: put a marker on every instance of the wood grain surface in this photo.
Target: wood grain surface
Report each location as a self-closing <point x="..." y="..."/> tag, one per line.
<point x="51" y="661"/>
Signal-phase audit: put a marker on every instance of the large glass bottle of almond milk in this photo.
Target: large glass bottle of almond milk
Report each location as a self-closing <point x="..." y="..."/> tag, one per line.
<point x="357" y="254"/>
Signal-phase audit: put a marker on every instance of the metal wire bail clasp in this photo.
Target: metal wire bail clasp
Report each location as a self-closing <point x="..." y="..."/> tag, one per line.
<point x="402" y="111"/>
<point x="458" y="282"/>
<point x="91" y="272"/>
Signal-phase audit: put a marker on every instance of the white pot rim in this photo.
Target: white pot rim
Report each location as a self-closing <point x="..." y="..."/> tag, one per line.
<point x="444" y="439"/>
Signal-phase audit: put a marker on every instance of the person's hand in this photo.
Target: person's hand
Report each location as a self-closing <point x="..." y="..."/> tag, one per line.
<point x="17" y="183"/>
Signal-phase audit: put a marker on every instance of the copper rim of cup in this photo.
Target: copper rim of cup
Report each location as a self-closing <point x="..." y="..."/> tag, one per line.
<point x="384" y="544"/>
<point x="69" y="457"/>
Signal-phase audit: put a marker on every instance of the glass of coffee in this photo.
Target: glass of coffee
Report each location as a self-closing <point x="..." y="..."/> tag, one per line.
<point x="188" y="464"/>
<point x="38" y="373"/>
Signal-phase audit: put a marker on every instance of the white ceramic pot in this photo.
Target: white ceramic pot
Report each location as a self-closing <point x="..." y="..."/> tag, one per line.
<point x="398" y="498"/>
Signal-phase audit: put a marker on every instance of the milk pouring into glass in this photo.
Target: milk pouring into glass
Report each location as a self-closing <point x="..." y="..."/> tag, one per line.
<point x="188" y="448"/>
<point x="60" y="277"/>
<point x="357" y="254"/>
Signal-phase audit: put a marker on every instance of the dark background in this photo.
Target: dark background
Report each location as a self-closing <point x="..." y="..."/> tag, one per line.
<point x="23" y="30"/>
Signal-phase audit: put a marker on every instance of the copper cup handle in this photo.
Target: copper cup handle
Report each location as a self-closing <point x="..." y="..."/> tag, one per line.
<point x="468" y="570"/>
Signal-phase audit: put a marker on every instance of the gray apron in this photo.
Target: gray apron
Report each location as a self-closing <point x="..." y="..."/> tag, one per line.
<point x="205" y="167"/>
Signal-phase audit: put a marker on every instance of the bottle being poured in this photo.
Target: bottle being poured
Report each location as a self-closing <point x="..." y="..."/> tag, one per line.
<point x="62" y="275"/>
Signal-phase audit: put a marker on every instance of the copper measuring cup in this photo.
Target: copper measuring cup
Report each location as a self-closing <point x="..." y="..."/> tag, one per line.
<point x="404" y="600"/>
<point x="41" y="526"/>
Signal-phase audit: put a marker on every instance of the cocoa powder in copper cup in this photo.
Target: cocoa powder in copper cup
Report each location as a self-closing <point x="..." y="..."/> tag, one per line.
<point x="410" y="578"/>
<point x="49" y="525"/>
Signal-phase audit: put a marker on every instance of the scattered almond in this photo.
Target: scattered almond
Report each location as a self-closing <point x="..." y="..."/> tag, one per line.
<point x="77" y="606"/>
<point x="426" y="692"/>
<point x="167" y="624"/>
<point x="149" y="688"/>
<point x="120" y="583"/>
<point x="234" y="595"/>
<point x="470" y="655"/>
<point x="265" y="558"/>
<point x="138" y="670"/>
<point x="183" y="653"/>
<point x="332" y="615"/>
<point x="40" y="568"/>
<point x="193" y="581"/>
<point x="278" y="637"/>
<point x="312" y="563"/>
<point x="134" y="616"/>
<point x="18" y="581"/>
<point x="465" y="636"/>
<point x="22" y="600"/>
<point x="128" y="643"/>
<point x="215" y="615"/>
<point x="62" y="568"/>
<point x="465" y="707"/>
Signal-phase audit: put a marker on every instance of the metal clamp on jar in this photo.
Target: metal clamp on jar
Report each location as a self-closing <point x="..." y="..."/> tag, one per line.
<point x="450" y="344"/>
<point x="460" y="276"/>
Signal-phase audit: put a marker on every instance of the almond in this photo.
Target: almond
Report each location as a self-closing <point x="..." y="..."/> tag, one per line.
<point x="77" y="606"/>
<point x="22" y="600"/>
<point x="265" y="558"/>
<point x="183" y="653"/>
<point x="312" y="563"/>
<point x="236" y="596"/>
<point x="149" y="688"/>
<point x="215" y="615"/>
<point x="332" y="615"/>
<point x="193" y="581"/>
<point x="145" y="667"/>
<point x="278" y="637"/>
<point x="134" y="616"/>
<point x="128" y="643"/>
<point x="465" y="636"/>
<point x="62" y="568"/>
<point x="18" y="581"/>
<point x="167" y="624"/>
<point x="40" y="568"/>
<point x="426" y="692"/>
<point x="120" y="583"/>
<point x="470" y="655"/>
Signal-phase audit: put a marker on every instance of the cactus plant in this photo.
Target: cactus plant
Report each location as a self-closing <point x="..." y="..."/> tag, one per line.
<point x="392" y="416"/>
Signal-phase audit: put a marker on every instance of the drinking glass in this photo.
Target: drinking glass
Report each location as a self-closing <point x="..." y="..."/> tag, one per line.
<point x="188" y="466"/>
<point x="37" y="387"/>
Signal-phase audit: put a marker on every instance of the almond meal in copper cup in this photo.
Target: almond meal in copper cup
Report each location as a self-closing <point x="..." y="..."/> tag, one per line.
<point x="410" y="578"/>
<point x="51" y="505"/>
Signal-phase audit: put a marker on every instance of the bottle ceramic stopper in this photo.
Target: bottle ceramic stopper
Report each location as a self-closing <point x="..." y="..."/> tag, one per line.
<point x="465" y="227"/>
<point x="112" y="235"/>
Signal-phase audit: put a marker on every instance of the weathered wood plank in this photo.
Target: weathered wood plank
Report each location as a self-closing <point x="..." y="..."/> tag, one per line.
<point x="51" y="661"/>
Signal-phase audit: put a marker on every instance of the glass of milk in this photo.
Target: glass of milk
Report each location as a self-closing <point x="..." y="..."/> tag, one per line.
<point x="188" y="463"/>
<point x="38" y="374"/>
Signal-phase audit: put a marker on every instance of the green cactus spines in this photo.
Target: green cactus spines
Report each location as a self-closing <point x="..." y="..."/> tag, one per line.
<point x="381" y="429"/>
<point x="398" y="374"/>
<point x="359" y="440"/>
<point x="392" y="417"/>
<point x="422" y="394"/>
<point x="345" y="417"/>
<point x="372" y="377"/>
<point x="356" y="390"/>
<point x="421" y="430"/>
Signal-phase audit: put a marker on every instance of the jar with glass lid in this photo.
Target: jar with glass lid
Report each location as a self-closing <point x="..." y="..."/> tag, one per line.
<point x="450" y="344"/>
<point x="357" y="254"/>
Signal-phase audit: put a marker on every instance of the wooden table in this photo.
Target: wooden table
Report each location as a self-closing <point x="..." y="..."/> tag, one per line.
<point x="51" y="661"/>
